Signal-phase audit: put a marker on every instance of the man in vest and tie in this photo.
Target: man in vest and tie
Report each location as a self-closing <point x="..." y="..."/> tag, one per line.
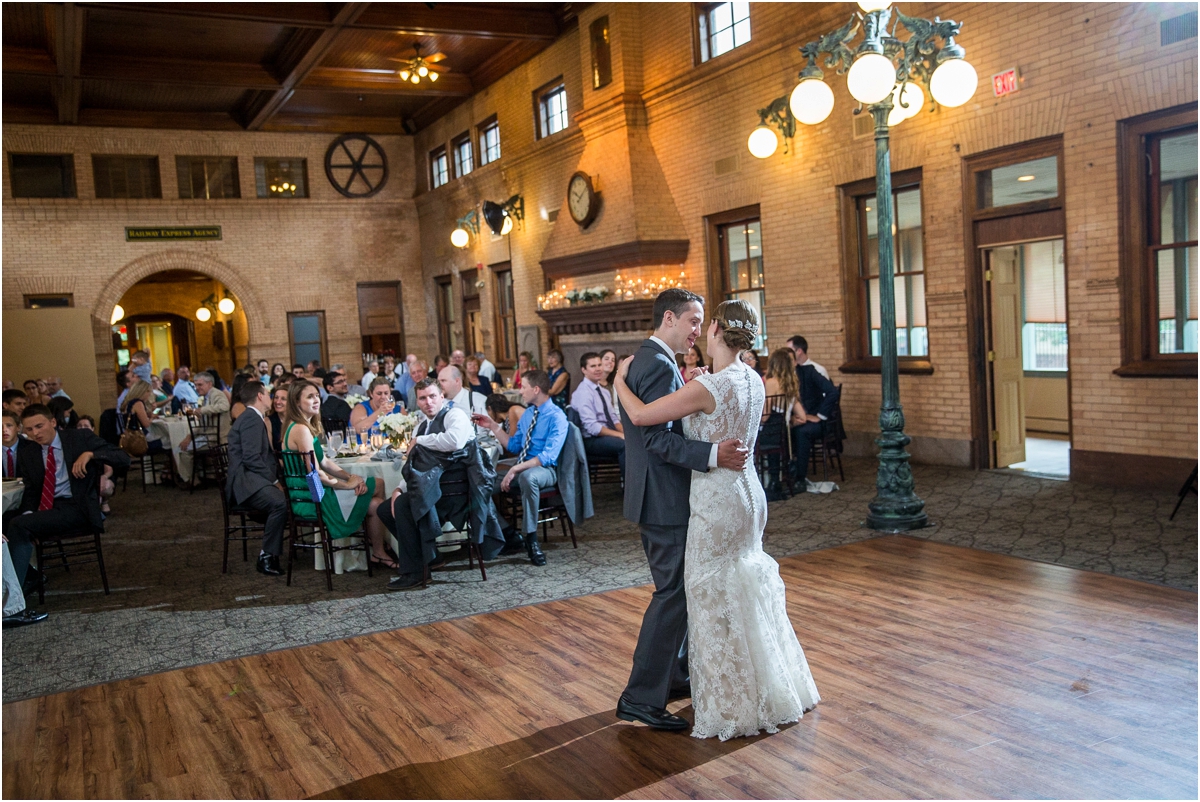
<point x="603" y="435"/>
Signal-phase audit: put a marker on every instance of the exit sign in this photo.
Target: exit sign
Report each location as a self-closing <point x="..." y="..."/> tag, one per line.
<point x="1005" y="83"/>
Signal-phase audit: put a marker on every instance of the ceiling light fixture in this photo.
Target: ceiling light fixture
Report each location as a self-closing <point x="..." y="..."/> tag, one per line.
<point x="418" y="67"/>
<point x="1026" y="177"/>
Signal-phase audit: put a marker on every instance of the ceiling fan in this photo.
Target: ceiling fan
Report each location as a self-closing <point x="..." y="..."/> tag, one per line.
<point x="414" y="69"/>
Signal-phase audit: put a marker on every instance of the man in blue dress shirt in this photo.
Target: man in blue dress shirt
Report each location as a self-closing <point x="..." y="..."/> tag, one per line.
<point x="537" y="442"/>
<point x="603" y="435"/>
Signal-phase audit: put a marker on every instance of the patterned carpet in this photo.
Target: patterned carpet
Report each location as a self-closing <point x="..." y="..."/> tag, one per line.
<point x="171" y="607"/>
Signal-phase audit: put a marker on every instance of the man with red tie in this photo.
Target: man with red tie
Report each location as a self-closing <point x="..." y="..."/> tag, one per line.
<point x="12" y="437"/>
<point x="62" y="472"/>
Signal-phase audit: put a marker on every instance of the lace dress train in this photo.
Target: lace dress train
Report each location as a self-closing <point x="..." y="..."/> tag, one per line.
<point x="748" y="670"/>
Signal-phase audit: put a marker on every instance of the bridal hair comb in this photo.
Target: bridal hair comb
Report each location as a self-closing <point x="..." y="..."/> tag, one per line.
<point x="741" y="324"/>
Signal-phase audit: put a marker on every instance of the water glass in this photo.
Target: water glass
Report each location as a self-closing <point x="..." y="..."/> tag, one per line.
<point x="335" y="442"/>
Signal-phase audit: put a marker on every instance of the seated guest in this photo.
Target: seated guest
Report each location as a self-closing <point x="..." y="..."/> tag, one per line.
<point x="537" y="443"/>
<point x="474" y="379"/>
<point x="751" y="360"/>
<point x="64" y="412"/>
<point x="472" y="403"/>
<point x="371" y="373"/>
<point x="16" y="614"/>
<point x="503" y="412"/>
<point x="334" y="407"/>
<point x="12" y="435"/>
<point x="237" y="407"/>
<point x="279" y="396"/>
<point x="107" y="486"/>
<point x="404" y="383"/>
<point x="486" y="369"/>
<point x="125" y="380"/>
<point x="252" y="482"/>
<point x="168" y="381"/>
<point x="560" y="380"/>
<point x="34" y="391"/>
<point x="799" y="347"/>
<point x="139" y="365"/>
<point x="15" y="402"/>
<point x="443" y="446"/>
<point x="457" y="357"/>
<point x="608" y="360"/>
<point x="524" y="365"/>
<point x="62" y="473"/>
<point x="782" y="387"/>
<point x="417" y="371"/>
<point x="185" y="390"/>
<point x="54" y="388"/>
<point x="278" y="371"/>
<point x="603" y="435"/>
<point x="160" y="396"/>
<point x="262" y="372"/>
<point x="136" y="414"/>
<point x="439" y="362"/>
<point x="298" y="371"/>
<point x="816" y="393"/>
<point x="379" y="403"/>
<point x="693" y="361"/>
<point x="389" y="368"/>
<point x="310" y="370"/>
<point x="303" y="433"/>
<point x="215" y="402"/>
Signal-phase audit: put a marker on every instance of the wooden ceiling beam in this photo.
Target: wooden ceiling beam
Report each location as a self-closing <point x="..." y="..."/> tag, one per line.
<point x="186" y="120"/>
<point x="66" y="25"/>
<point x="334" y="123"/>
<point x="300" y="57"/>
<point x="294" y="15"/>
<point x="449" y="84"/>
<point x="139" y="69"/>
<point x="453" y="19"/>
<point x="28" y="61"/>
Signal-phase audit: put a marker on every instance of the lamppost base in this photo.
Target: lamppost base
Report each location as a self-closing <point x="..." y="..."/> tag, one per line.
<point x="895" y="523"/>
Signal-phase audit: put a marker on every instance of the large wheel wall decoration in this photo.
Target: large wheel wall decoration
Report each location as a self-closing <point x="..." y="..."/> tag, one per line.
<point x="356" y="165"/>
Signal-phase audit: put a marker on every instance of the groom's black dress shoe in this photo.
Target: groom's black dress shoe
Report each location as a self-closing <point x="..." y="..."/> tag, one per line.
<point x="269" y="564"/>
<point x="655" y="717"/>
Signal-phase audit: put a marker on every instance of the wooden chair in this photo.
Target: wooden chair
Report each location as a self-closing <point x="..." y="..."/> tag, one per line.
<point x="296" y="466"/>
<point x="600" y="469"/>
<point x="248" y="527"/>
<point x="551" y="509"/>
<point x="1188" y="487"/>
<point x="67" y="545"/>
<point x="205" y="433"/>
<point x="456" y="485"/>
<point x="827" y="449"/>
<point x="772" y="450"/>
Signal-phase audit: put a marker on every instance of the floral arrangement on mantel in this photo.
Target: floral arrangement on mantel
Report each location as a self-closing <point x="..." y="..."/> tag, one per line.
<point x="587" y="295"/>
<point x="398" y="427"/>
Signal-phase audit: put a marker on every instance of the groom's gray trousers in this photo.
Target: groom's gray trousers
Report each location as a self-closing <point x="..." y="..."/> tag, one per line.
<point x="663" y="638"/>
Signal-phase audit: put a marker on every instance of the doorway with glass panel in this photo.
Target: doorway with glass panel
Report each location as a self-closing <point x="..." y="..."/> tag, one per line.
<point x="1023" y="383"/>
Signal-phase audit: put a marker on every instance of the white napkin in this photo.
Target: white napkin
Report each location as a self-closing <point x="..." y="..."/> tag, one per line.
<point x="820" y="487"/>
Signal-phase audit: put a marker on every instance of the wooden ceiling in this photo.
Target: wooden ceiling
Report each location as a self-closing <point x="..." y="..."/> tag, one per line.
<point x="259" y="66"/>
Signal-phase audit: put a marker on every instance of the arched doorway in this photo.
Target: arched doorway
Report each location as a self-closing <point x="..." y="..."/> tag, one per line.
<point x="182" y="317"/>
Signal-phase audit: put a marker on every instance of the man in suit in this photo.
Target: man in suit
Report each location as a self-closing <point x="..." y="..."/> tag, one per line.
<point x="251" y="483"/>
<point x="818" y="396"/>
<point x="334" y="406"/>
<point x="418" y="371"/>
<point x="62" y="472"/>
<point x="659" y="462"/>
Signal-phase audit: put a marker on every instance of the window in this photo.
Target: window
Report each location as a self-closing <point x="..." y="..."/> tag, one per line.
<point x="742" y="269"/>
<point x="1157" y="190"/>
<point x="57" y="301"/>
<point x="306" y="335"/>
<point x="551" y="108"/>
<point x="281" y="178"/>
<point x="207" y="177"/>
<point x="506" y="319"/>
<point x="721" y="27"/>
<point x="601" y="52"/>
<point x="1044" y="306"/>
<point x="439" y="168"/>
<point x="1033" y="180"/>
<point x="489" y="141"/>
<point x="447" y="338"/>
<point x="126" y="176"/>
<point x="42" y="175"/>
<point x="861" y="279"/>
<point x="463" y="159"/>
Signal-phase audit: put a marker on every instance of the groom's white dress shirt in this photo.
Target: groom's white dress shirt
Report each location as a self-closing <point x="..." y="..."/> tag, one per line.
<point x="670" y="352"/>
<point x="459" y="431"/>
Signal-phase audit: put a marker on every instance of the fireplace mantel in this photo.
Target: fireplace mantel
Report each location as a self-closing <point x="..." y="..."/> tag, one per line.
<point x="602" y="318"/>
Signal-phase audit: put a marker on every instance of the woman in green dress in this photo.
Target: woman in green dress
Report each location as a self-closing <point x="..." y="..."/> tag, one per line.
<point x="302" y="432"/>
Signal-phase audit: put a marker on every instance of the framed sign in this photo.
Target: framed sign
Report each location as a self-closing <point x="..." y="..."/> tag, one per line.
<point x="137" y="234"/>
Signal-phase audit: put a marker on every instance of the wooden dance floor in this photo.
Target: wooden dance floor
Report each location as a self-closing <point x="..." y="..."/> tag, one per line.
<point x="945" y="672"/>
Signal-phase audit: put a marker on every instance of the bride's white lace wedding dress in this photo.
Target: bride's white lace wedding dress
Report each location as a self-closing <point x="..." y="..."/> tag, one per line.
<point x="748" y="671"/>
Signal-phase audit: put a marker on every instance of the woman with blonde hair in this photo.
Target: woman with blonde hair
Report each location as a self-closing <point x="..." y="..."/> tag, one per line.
<point x="782" y="386"/>
<point x="748" y="671"/>
<point x="135" y="412"/>
<point x="302" y="432"/>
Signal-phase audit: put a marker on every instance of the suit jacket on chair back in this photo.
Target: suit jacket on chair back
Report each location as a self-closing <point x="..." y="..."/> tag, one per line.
<point x="251" y="458"/>
<point x="659" y="460"/>
<point x="85" y="492"/>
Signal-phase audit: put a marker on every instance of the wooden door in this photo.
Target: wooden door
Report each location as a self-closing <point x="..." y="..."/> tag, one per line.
<point x="1003" y="278"/>
<point x="381" y="315"/>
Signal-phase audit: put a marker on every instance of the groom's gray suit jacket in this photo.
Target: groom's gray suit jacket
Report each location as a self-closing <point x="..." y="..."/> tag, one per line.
<point x="659" y="460"/>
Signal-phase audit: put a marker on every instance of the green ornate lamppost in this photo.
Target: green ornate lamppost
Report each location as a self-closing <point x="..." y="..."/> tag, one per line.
<point x="884" y="74"/>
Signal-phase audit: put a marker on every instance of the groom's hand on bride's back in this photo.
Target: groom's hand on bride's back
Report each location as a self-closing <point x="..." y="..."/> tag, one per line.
<point x="732" y="454"/>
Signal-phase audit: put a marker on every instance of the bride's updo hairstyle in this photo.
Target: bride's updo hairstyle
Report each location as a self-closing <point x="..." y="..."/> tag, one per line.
<point x="738" y="323"/>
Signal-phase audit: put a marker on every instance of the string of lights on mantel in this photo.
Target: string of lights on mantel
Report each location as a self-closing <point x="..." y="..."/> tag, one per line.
<point x="626" y="287"/>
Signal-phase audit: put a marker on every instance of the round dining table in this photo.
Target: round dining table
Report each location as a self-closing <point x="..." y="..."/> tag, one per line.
<point x="172" y="430"/>
<point x="14" y="490"/>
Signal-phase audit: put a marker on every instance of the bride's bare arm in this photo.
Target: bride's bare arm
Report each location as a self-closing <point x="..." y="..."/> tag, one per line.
<point x="693" y="397"/>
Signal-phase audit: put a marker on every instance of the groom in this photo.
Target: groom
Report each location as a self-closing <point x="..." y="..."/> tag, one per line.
<point x="659" y="462"/>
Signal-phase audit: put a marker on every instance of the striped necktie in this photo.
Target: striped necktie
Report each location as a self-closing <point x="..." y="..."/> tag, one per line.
<point x="529" y="435"/>
<point x="49" y="481"/>
<point x="604" y="404"/>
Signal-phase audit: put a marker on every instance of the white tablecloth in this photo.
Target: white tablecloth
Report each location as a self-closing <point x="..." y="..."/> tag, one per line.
<point x="172" y="432"/>
<point x="13" y="491"/>
<point x="365" y="466"/>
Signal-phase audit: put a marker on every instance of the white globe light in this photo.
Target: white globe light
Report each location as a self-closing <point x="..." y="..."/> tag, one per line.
<point x="226" y="306"/>
<point x="762" y="142"/>
<point x="872" y="5"/>
<point x="896" y="115"/>
<point x="871" y="78"/>
<point x="118" y="313"/>
<point x="914" y="96"/>
<point x="953" y="82"/>
<point x="459" y="238"/>
<point x="202" y="314"/>
<point x="811" y="101"/>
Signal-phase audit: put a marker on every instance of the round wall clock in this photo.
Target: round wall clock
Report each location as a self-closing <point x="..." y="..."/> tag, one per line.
<point x="582" y="199"/>
<point x="356" y="165"/>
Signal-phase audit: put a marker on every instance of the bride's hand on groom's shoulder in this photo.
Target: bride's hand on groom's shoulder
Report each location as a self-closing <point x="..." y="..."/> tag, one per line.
<point x="694" y="372"/>
<point x="623" y="368"/>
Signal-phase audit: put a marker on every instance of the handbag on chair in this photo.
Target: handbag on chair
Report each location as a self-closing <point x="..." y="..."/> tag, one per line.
<point x="133" y="442"/>
<point x="313" y="478"/>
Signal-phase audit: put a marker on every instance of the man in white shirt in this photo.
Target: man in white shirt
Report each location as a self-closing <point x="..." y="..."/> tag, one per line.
<point x="799" y="347"/>
<point x="486" y="368"/>
<point x="12" y="436"/>
<point x="54" y="386"/>
<point x="185" y="390"/>
<point x="372" y="372"/>
<point x="472" y="403"/>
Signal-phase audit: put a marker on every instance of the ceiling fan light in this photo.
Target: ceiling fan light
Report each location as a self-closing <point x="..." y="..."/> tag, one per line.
<point x="433" y="76"/>
<point x="422" y="70"/>
<point x="415" y="79"/>
<point x="404" y="75"/>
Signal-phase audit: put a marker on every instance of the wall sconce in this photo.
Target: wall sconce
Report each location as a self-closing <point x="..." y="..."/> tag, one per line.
<point x="763" y="141"/>
<point x="210" y="304"/>
<point x="499" y="216"/>
<point x="117" y="313"/>
<point x="466" y="225"/>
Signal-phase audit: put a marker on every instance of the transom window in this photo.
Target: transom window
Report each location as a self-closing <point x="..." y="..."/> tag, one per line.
<point x="742" y="267"/>
<point x="552" y="110"/>
<point x="207" y="177"/>
<point x="42" y="175"/>
<point x="126" y="176"/>
<point x="1033" y="180"/>
<point x="464" y="161"/>
<point x="281" y="178"/>
<point x="1173" y="238"/>
<point x="439" y="168"/>
<point x="489" y="142"/>
<point x="722" y="27"/>
<point x="912" y="334"/>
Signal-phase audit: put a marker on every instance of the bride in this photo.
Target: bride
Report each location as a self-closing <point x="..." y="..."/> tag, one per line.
<point x="748" y="671"/>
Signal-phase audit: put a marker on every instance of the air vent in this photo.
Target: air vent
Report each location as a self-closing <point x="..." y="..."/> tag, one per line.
<point x="552" y="215"/>
<point x="1178" y="28"/>
<point x="864" y="125"/>
<point x="727" y="165"/>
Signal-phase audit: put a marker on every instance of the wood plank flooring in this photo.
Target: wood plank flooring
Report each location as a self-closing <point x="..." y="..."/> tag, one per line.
<point x="944" y="672"/>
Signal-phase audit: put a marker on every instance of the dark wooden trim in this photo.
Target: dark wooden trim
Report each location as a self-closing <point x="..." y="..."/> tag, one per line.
<point x="602" y="318"/>
<point x="320" y="313"/>
<point x="538" y="94"/>
<point x="1142" y="471"/>
<point x="615" y="257"/>
<point x="915" y="366"/>
<point x="66" y="43"/>
<point x="465" y="136"/>
<point x="716" y="282"/>
<point x="481" y="22"/>
<point x="1139" y="355"/>
<point x="501" y="359"/>
<point x="1013" y="229"/>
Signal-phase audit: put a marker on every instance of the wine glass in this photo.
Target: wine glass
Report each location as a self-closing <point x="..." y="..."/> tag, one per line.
<point x="335" y="442"/>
